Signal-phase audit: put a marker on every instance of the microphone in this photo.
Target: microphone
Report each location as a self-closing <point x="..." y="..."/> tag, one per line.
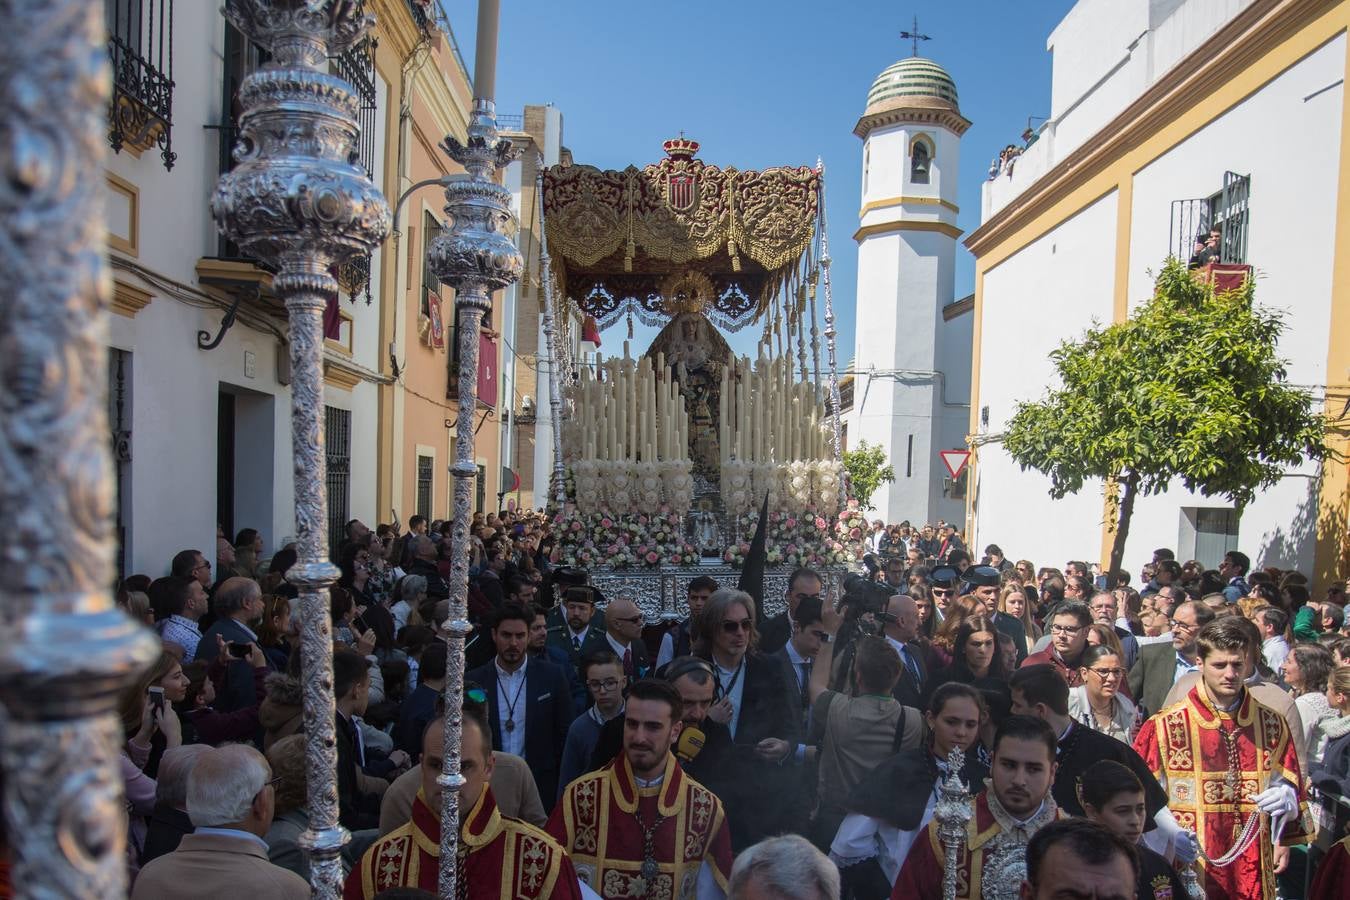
<point x="690" y="743"/>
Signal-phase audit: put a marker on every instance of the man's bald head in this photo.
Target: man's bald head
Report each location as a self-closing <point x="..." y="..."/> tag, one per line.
<point x="239" y="598"/>
<point x="424" y="547"/>
<point x="905" y="613"/>
<point x="623" y="620"/>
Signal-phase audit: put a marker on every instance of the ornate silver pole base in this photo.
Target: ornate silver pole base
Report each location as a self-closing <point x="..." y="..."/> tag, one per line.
<point x="296" y="201"/>
<point x="477" y="255"/>
<point x="67" y="651"/>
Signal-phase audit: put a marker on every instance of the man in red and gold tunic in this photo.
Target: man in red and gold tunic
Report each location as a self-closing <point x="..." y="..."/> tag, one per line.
<point x="640" y="827"/>
<point x="502" y="857"/>
<point x="1015" y="805"/>
<point x="1225" y="759"/>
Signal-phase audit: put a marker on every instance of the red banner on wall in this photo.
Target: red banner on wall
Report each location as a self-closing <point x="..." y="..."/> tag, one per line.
<point x="487" y="369"/>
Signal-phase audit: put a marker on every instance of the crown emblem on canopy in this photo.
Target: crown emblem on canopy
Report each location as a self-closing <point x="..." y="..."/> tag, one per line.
<point x="680" y="148"/>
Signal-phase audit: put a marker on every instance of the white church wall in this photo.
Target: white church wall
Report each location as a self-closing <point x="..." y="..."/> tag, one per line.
<point x="1054" y="288"/>
<point x="1292" y="247"/>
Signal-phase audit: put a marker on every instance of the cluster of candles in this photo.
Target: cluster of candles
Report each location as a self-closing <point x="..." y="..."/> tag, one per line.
<point x="635" y="413"/>
<point x="632" y="409"/>
<point x="766" y="417"/>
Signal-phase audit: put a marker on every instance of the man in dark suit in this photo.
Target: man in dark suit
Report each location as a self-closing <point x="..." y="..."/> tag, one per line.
<point x="238" y="601"/>
<point x="753" y="689"/>
<point x="529" y="701"/>
<point x="358" y="807"/>
<point x="542" y="650"/>
<point x="775" y="631"/>
<point x="983" y="582"/>
<point x="900" y="626"/>
<point x="623" y="635"/>
<point x="1160" y="665"/>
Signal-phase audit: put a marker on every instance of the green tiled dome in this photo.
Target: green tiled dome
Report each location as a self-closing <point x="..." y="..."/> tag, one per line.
<point x="913" y="81"/>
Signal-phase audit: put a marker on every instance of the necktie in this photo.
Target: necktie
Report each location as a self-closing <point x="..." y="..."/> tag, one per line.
<point x="628" y="661"/>
<point x="576" y="644"/>
<point x="806" y="687"/>
<point x="911" y="666"/>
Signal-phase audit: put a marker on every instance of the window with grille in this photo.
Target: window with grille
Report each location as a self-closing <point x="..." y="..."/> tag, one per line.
<point x="1226" y="211"/>
<point x="431" y="285"/>
<point x="424" y="481"/>
<point x="140" y="45"/>
<point x="337" y="436"/>
<point x="357" y="68"/>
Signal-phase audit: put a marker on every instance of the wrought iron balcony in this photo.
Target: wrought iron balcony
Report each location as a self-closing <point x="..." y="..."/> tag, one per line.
<point x="140" y="43"/>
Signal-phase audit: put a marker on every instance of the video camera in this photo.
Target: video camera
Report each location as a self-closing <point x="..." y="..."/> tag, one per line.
<point x="862" y="595"/>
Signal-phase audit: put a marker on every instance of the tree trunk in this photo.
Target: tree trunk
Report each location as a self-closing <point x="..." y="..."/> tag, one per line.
<point x="1126" y="510"/>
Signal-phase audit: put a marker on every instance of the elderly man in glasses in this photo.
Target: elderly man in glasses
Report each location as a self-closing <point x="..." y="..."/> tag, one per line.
<point x="1162" y="665"/>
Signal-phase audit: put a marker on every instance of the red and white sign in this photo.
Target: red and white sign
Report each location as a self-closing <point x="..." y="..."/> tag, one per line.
<point x="955" y="461"/>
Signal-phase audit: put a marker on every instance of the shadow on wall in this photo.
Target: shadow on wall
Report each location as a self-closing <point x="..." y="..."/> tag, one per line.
<point x="1282" y="546"/>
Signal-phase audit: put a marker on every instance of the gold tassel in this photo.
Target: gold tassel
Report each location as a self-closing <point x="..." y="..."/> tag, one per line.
<point x="735" y="256"/>
<point x="629" y="252"/>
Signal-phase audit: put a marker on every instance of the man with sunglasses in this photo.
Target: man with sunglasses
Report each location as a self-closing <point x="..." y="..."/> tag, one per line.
<point x="623" y="632"/>
<point x="942" y="588"/>
<point x="752" y="690"/>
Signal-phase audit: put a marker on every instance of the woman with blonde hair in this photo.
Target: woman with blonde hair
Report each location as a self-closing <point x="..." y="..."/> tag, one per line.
<point x="1330" y="773"/>
<point x="1013" y="601"/>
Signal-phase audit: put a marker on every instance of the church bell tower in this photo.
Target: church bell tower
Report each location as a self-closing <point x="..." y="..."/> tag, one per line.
<point x="911" y="132"/>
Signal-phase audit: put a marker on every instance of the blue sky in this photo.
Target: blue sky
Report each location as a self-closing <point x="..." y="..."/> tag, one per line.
<point x="761" y="83"/>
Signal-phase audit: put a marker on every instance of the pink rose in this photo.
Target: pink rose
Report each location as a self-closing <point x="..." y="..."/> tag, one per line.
<point x="642" y="549"/>
<point x="791" y="523"/>
<point x="576" y="526"/>
<point x="652" y="558"/>
<point x="855" y="533"/>
<point x="606" y="523"/>
<point x="820" y="523"/>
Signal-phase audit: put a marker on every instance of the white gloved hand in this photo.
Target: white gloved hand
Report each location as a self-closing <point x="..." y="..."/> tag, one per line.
<point x="1185" y="848"/>
<point x="1280" y="803"/>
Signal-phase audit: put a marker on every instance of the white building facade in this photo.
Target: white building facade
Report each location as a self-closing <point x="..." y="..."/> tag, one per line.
<point x="910" y="387"/>
<point x="1169" y="118"/>
<point x="203" y="436"/>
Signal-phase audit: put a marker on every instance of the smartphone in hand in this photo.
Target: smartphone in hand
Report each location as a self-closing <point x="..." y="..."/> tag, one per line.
<point x="239" y="651"/>
<point x="156" y="697"/>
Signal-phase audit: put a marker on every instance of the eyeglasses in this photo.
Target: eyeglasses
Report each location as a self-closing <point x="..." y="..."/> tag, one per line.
<point x="1179" y="626"/>
<point x="731" y="627"/>
<point x="273" y="783"/>
<point x="608" y="684"/>
<point x="1108" y="673"/>
<point x="940" y="592"/>
<point x="1065" y="629"/>
<point x="204" y="565"/>
<point x="631" y="620"/>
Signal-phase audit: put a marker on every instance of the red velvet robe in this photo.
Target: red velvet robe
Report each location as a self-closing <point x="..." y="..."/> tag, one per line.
<point x="1183" y="747"/>
<point x="1332" y="881"/>
<point x="507" y="858"/>
<point x="921" y="875"/>
<point x="596" y="821"/>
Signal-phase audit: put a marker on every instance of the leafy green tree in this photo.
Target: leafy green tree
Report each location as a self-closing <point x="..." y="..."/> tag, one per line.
<point x="1190" y="387"/>
<point x="867" y="470"/>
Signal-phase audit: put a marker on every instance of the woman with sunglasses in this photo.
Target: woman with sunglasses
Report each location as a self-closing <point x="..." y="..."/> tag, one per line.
<point x="1098" y="702"/>
<point x="894" y="803"/>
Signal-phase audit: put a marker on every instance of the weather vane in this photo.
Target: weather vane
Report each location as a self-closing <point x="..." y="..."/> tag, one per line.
<point x="914" y="36"/>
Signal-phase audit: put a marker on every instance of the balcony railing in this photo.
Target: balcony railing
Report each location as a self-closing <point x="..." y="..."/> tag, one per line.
<point x="140" y="44"/>
<point x="1226" y="211"/>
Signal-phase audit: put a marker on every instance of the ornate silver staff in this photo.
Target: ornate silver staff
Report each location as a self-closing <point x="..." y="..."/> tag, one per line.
<point x="296" y="201"/>
<point x="68" y="650"/>
<point x="552" y="340"/>
<point x="952" y="811"/>
<point x="477" y="255"/>
<point x="836" y="429"/>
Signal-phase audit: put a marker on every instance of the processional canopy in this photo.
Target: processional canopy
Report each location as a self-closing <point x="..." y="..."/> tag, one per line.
<point x="681" y="236"/>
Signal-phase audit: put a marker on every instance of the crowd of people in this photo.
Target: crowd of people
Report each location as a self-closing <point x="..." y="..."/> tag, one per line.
<point x="1116" y="738"/>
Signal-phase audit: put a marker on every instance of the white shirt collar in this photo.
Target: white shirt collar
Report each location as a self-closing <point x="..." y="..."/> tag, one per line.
<point x="620" y="649"/>
<point x="231" y="833"/>
<point x="793" y="656"/>
<point x="507" y="676"/>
